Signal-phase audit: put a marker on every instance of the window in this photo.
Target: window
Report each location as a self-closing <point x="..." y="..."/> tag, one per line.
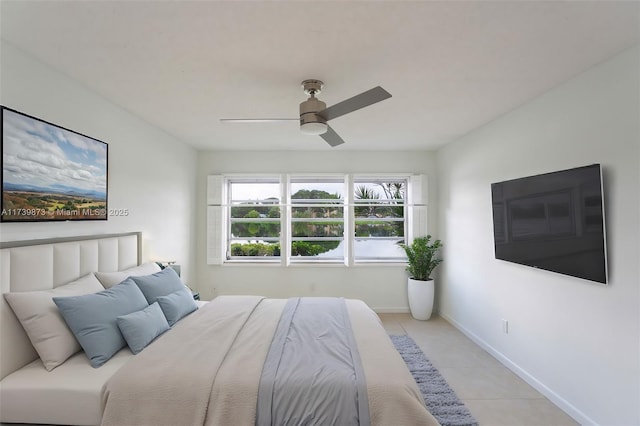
<point x="291" y="219"/>
<point x="379" y="215"/>
<point x="317" y="219"/>
<point x="254" y="225"/>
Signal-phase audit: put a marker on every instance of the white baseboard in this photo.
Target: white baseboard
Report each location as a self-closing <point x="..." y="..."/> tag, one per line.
<point x="562" y="403"/>
<point x="391" y="310"/>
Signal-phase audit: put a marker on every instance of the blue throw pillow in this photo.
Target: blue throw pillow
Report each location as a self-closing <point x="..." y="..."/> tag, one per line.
<point x="159" y="284"/>
<point x="93" y="318"/>
<point x="177" y="305"/>
<point x="142" y="327"/>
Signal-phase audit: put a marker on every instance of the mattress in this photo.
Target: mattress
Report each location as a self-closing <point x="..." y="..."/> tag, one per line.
<point x="70" y="394"/>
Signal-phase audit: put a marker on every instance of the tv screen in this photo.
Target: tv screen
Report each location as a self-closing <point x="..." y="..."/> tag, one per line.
<point x="50" y="173"/>
<point x="554" y="221"/>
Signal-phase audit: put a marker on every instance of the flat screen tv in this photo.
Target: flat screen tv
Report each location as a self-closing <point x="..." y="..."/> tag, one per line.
<point x="50" y="173"/>
<point x="553" y="221"/>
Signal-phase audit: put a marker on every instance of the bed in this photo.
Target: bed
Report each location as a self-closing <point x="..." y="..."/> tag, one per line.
<point x="215" y="365"/>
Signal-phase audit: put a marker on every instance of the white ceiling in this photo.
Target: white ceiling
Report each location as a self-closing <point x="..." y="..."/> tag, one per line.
<point x="451" y="66"/>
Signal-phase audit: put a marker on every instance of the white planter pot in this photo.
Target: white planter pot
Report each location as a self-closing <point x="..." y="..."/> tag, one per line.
<point x="420" y="298"/>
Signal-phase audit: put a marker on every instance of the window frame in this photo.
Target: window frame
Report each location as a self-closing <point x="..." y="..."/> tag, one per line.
<point x="379" y="179"/>
<point x="316" y="178"/>
<point x="228" y="205"/>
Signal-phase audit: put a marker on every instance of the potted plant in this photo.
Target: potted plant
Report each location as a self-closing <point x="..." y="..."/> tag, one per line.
<point x="422" y="257"/>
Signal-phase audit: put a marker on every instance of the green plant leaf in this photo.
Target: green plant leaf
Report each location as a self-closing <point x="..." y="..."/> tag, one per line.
<point x="422" y="257"/>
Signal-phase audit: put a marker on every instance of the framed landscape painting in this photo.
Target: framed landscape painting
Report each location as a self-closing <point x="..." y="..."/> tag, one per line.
<point x="50" y="173"/>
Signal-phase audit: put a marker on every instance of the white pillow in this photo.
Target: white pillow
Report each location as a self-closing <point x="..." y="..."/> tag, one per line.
<point x="43" y="323"/>
<point x="109" y="279"/>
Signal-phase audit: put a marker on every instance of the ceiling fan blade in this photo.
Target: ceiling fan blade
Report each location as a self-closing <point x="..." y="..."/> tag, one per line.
<point x="256" y="120"/>
<point x="331" y="137"/>
<point x="362" y="100"/>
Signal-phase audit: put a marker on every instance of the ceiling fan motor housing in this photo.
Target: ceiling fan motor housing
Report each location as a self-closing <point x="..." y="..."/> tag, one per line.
<point x="310" y="122"/>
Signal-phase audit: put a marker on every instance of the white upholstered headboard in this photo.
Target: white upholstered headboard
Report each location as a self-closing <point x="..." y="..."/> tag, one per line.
<point x="45" y="264"/>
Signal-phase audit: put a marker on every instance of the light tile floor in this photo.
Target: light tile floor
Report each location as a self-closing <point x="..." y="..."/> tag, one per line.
<point x="494" y="395"/>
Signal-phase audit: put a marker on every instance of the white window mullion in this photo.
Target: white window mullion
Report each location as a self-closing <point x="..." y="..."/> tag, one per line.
<point x="349" y="222"/>
<point x="285" y="196"/>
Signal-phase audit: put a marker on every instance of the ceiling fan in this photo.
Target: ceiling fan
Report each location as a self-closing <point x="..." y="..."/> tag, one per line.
<point x="314" y="113"/>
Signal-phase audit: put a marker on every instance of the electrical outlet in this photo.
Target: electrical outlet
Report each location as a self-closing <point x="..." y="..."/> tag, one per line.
<point x="505" y="326"/>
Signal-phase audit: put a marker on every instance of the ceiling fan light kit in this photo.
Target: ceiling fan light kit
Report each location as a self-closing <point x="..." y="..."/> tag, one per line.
<point x="313" y="129"/>
<point x="314" y="113"/>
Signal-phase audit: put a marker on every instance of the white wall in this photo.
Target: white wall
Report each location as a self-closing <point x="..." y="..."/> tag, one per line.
<point x="577" y="341"/>
<point x="382" y="287"/>
<point x="151" y="173"/>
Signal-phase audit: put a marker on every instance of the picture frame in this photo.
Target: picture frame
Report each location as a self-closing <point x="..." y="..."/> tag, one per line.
<point x="51" y="173"/>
